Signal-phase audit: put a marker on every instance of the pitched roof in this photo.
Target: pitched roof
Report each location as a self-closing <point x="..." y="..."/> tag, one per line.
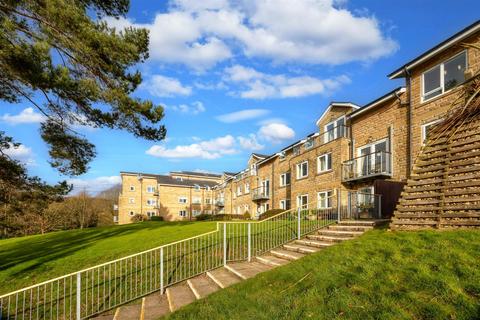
<point x="336" y="104"/>
<point x="459" y="36"/>
<point x="377" y="102"/>
<point x="198" y="174"/>
<point x="169" y="180"/>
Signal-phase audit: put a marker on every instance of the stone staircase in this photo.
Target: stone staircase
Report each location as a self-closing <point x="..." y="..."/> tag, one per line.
<point x="157" y="305"/>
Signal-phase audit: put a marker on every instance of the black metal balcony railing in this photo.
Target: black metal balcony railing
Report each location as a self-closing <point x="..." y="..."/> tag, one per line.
<point x="369" y="165"/>
<point x="261" y="193"/>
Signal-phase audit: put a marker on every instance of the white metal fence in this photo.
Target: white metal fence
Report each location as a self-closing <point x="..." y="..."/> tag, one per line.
<point x="100" y="288"/>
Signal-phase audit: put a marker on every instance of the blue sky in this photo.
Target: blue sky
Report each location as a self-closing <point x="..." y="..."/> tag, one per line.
<point x="248" y="76"/>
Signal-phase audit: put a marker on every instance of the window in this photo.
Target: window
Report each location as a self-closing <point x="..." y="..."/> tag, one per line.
<point x="296" y="150"/>
<point x="302" y="201"/>
<point x="334" y="130"/>
<point x="282" y="155"/>
<point x="196" y="187"/>
<point x="150" y="189"/>
<point x="324" y="162"/>
<point x="151" y="202"/>
<point x="131" y="213"/>
<point x="239" y="190"/>
<point x="427" y="127"/>
<point x="309" y="143"/>
<point x="182" y="200"/>
<point x="150" y="214"/>
<point x="196" y="212"/>
<point x="131" y="200"/>
<point x="284" y="179"/>
<point x="324" y="199"/>
<point x="196" y="200"/>
<point x="302" y="170"/>
<point x="132" y="188"/>
<point x="182" y="213"/>
<point x="444" y="76"/>
<point x="208" y="201"/>
<point x="247" y="187"/>
<point x="285" y="204"/>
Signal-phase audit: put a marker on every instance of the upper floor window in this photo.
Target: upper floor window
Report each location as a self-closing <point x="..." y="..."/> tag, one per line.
<point x="296" y="150"/>
<point x="444" y="76"/>
<point x="334" y="129"/>
<point x="282" y="155"/>
<point x="247" y="187"/>
<point x="182" y="200"/>
<point x="284" y="179"/>
<point x="151" y="202"/>
<point x="131" y="200"/>
<point x="150" y="189"/>
<point x="324" y="162"/>
<point x="427" y="127"/>
<point x="132" y="188"/>
<point x="208" y="201"/>
<point x="196" y="200"/>
<point x="196" y="187"/>
<point x="239" y="190"/>
<point x="302" y="170"/>
<point x="309" y="143"/>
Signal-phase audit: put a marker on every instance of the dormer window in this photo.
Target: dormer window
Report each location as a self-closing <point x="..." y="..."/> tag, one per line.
<point x="296" y="150"/>
<point x="282" y="155"/>
<point x="334" y="130"/>
<point x="444" y="76"/>
<point x="309" y="143"/>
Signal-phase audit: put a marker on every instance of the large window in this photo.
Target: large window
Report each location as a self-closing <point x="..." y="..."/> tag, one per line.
<point x="182" y="213"/>
<point x="151" y="202"/>
<point x="284" y="179"/>
<point x="150" y="189"/>
<point x="334" y="130"/>
<point x="324" y="162"/>
<point x="285" y="204"/>
<point x="324" y="199"/>
<point x="302" y="170"/>
<point x="182" y="200"/>
<point x="444" y="76"/>
<point x="196" y="200"/>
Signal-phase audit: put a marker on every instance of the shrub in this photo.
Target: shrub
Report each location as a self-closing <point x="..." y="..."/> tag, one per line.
<point x="139" y="218"/>
<point x="156" y="218"/>
<point x="203" y="217"/>
<point x="270" y="213"/>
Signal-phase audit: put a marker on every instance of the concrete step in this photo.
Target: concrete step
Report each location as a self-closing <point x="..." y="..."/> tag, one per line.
<point x="272" y="260"/>
<point x="179" y="295"/>
<point x="314" y="243"/>
<point x="340" y="233"/>
<point x="246" y="270"/>
<point x="349" y="228"/>
<point x="223" y="277"/>
<point x="287" y="254"/>
<point x="357" y="223"/>
<point x="202" y="286"/>
<point x="327" y="238"/>
<point x="103" y="317"/>
<point x="128" y="312"/>
<point x="155" y="306"/>
<point x="300" y="248"/>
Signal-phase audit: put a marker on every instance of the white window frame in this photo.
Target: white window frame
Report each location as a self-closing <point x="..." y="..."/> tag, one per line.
<point x="208" y="201"/>
<point x="335" y="132"/>
<point x="283" y="179"/>
<point x="325" y="193"/>
<point x="196" y="212"/>
<point x="151" y="189"/>
<point x="182" y="213"/>
<point x="132" y="188"/>
<point x="151" y="214"/>
<point x="299" y="197"/>
<point x="300" y="171"/>
<point x="151" y="202"/>
<point x="247" y="187"/>
<point x="309" y="143"/>
<point x="296" y="150"/>
<point x="424" y="129"/>
<point x="239" y="190"/>
<point x="182" y="199"/>
<point x="283" y="204"/>
<point x="131" y="213"/>
<point x="325" y="155"/>
<point x="196" y="187"/>
<point x="196" y="200"/>
<point x="282" y="155"/>
<point x="442" y="76"/>
<point x="131" y="200"/>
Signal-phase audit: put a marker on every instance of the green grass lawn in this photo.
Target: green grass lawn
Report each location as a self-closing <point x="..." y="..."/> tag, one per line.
<point x="29" y="260"/>
<point x="381" y="275"/>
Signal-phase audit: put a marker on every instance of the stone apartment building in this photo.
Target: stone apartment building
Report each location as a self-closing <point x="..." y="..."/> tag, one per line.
<point x="370" y="148"/>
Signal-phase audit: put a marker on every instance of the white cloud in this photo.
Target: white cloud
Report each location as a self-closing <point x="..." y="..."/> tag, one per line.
<point x="242" y="115"/>
<point x="201" y="34"/>
<point x="27" y="115"/>
<point x="209" y="149"/>
<point x="258" y="85"/>
<point x="250" y="143"/>
<point x="21" y="153"/>
<point x="95" y="185"/>
<point x="194" y="108"/>
<point x="161" y="86"/>
<point x="276" y="132"/>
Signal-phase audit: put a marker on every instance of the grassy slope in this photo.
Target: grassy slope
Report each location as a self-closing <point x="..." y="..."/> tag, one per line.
<point x="382" y="275"/>
<point x="28" y="260"/>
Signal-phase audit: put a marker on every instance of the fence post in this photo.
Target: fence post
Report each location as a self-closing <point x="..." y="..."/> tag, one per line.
<point x="299" y="211"/>
<point x="379" y="206"/>
<point x="161" y="270"/>
<point x="79" y="295"/>
<point x="224" y="244"/>
<point x="349" y="205"/>
<point x="249" y="243"/>
<point x="339" y="203"/>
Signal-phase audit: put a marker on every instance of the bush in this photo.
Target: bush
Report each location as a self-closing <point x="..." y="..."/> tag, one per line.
<point x="203" y="217"/>
<point x="247" y="215"/>
<point x="139" y="218"/>
<point x="270" y="213"/>
<point x="156" y="218"/>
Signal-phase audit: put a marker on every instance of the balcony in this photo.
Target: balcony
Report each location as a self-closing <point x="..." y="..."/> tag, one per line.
<point x="377" y="164"/>
<point x="220" y="202"/>
<point x="260" y="193"/>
